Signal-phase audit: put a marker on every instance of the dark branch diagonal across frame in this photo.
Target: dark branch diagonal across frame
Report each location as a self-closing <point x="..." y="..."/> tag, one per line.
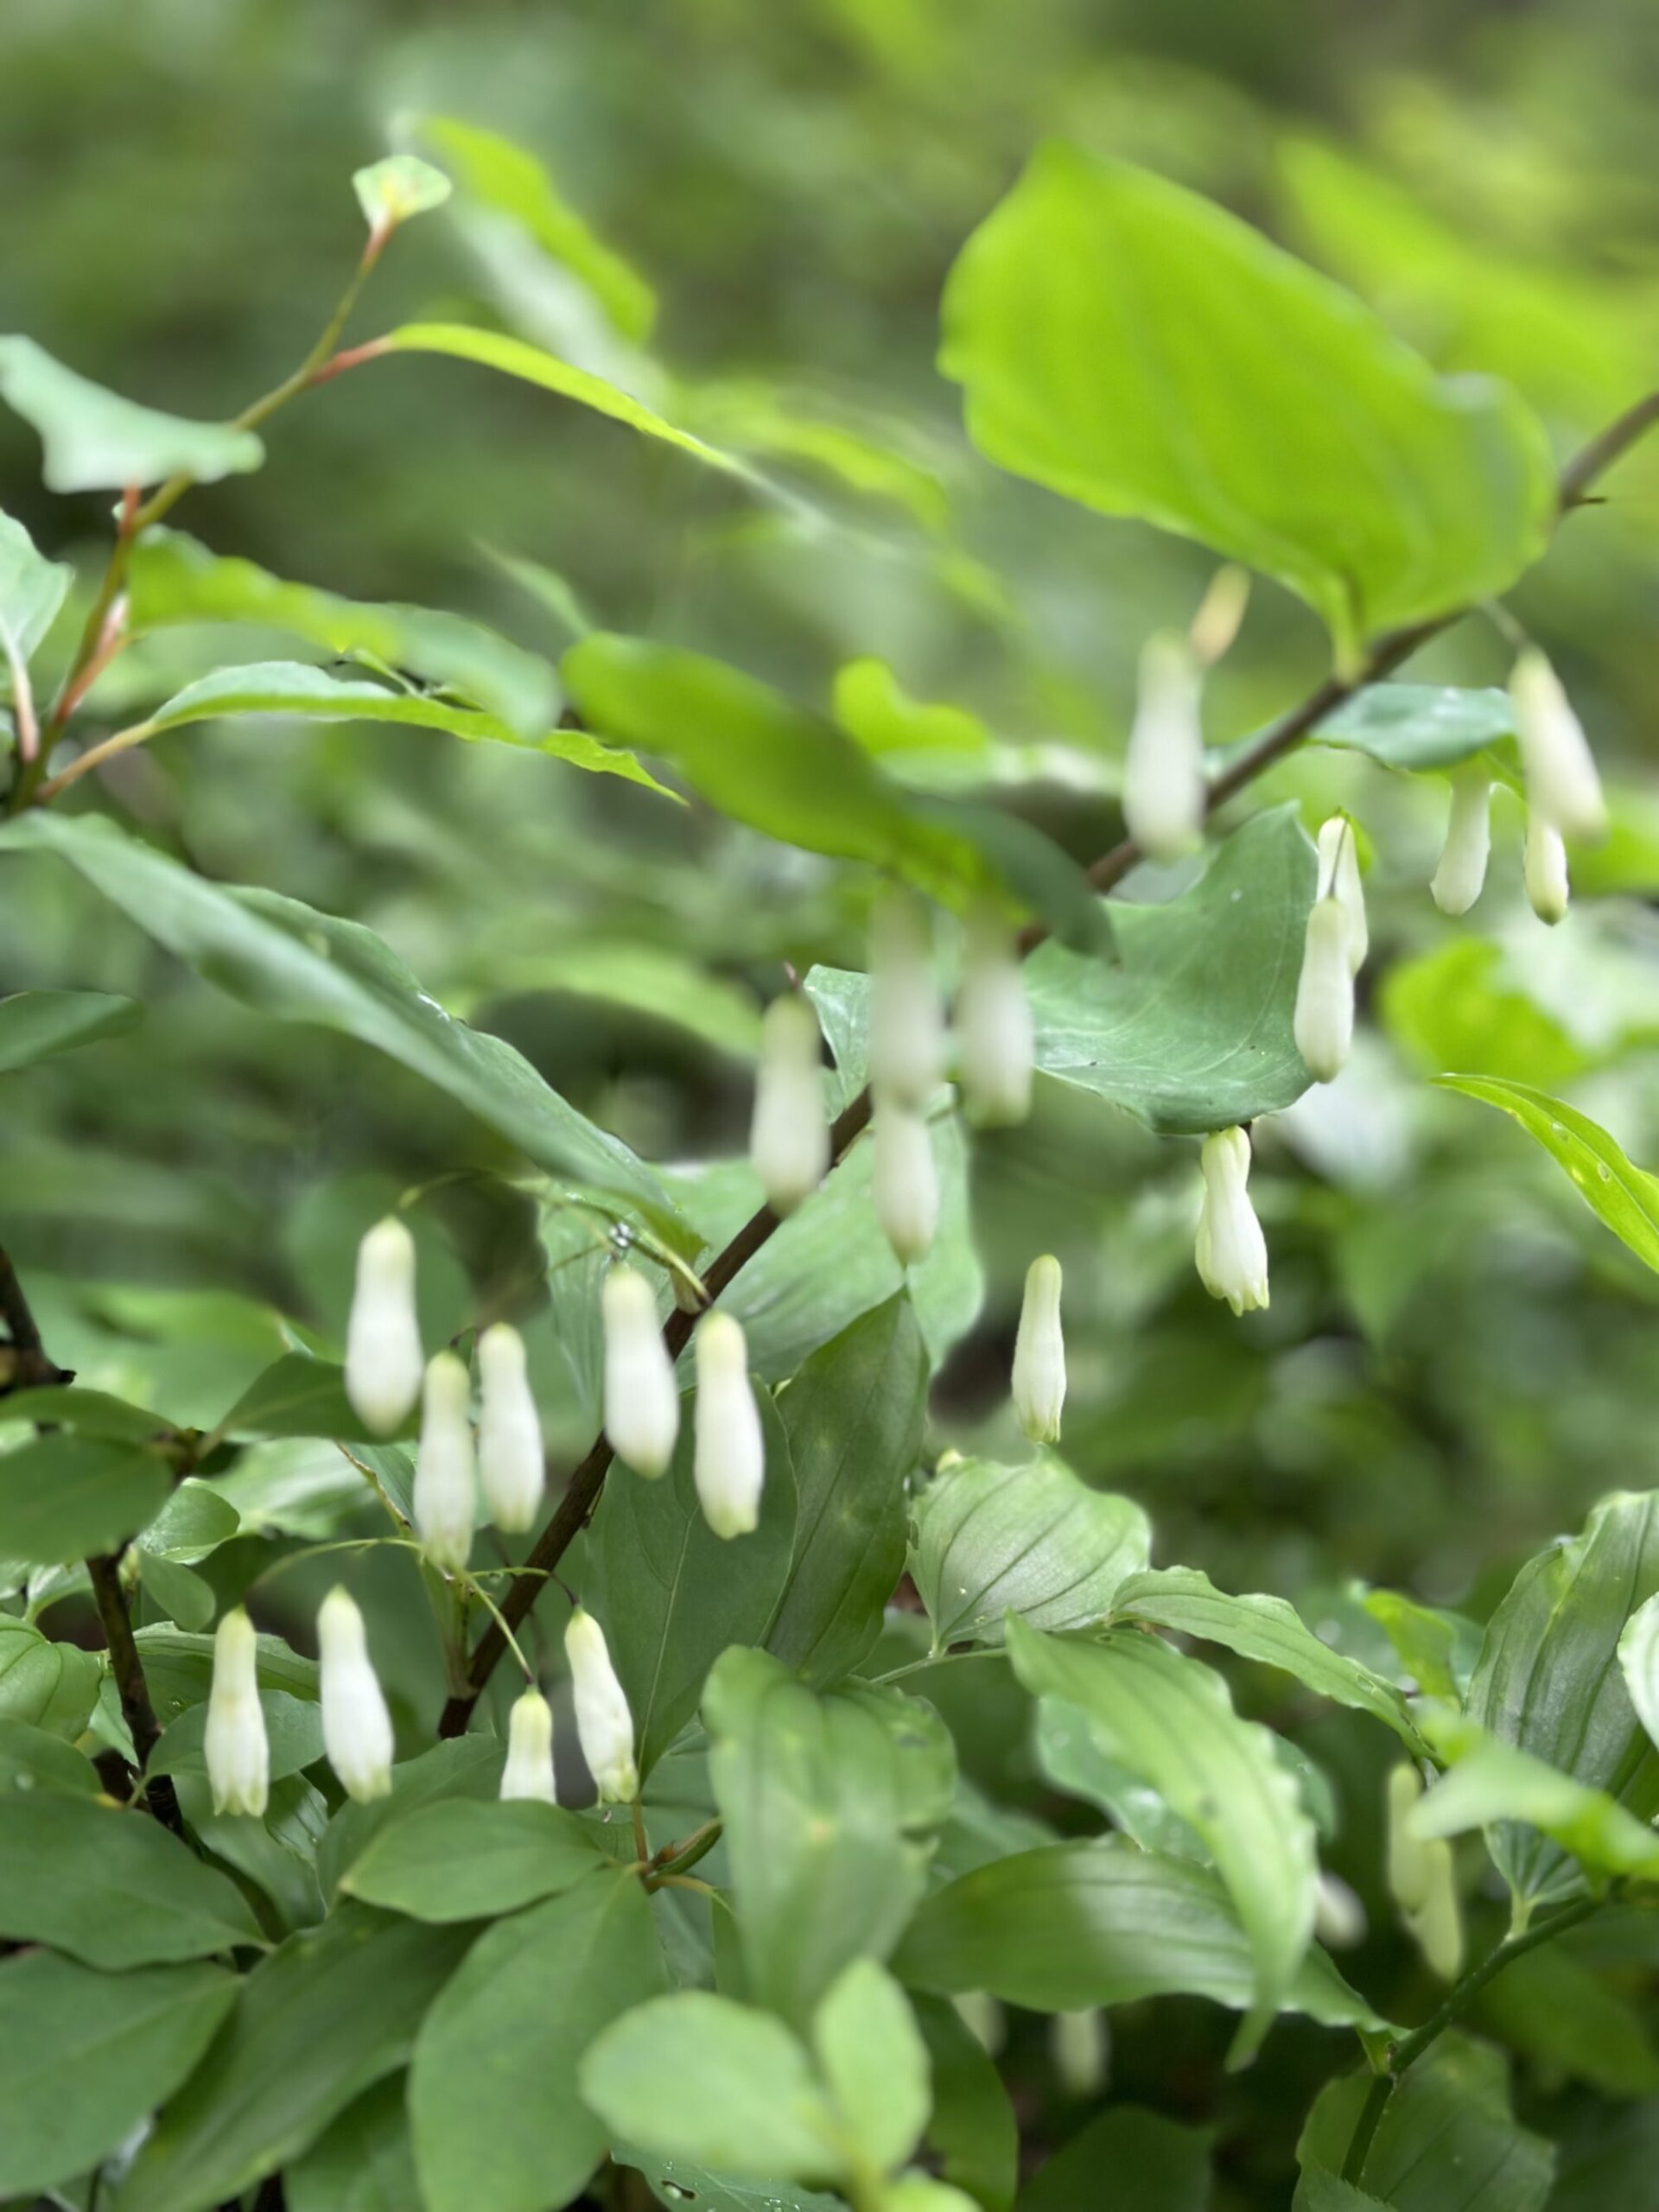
<point x="1390" y="651"/>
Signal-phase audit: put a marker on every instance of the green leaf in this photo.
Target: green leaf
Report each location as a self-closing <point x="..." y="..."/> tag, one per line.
<point x="1264" y="1628"/>
<point x="171" y="578"/>
<point x="52" y="1686"/>
<point x="509" y="182"/>
<point x="1446" y="2142"/>
<point x="676" y="2181"/>
<point x="31" y="1759"/>
<point x="1464" y="1004"/>
<point x="296" y="689"/>
<point x="1624" y="1197"/>
<point x="972" y="2132"/>
<point x="1638" y="1659"/>
<point x="513" y="357"/>
<point x="388" y="192"/>
<point x="853" y="1416"/>
<point x="86" y="1412"/>
<point x="1439" y="1649"/>
<point x="195" y="1520"/>
<point x="1171" y="1722"/>
<point x="1490" y="1782"/>
<point x="1160" y="2167"/>
<point x="492" y="2094"/>
<point x="179" y="1668"/>
<point x="90" y="2055"/>
<point x="95" y="441"/>
<point x="293" y="964"/>
<point x="1558" y="2012"/>
<point x="829" y="1802"/>
<point x="874" y="2063"/>
<point x="362" y="2163"/>
<point x="1416" y="727"/>
<point x="112" y="1888"/>
<point x="67" y="1496"/>
<point x="293" y="1733"/>
<point x="1135" y="347"/>
<point x="298" y="1395"/>
<point x="1073" y="1925"/>
<point x="696" y="2077"/>
<point x="277" y="1855"/>
<point x="671" y="1595"/>
<point x="468" y="1767"/>
<point x="1190" y="1030"/>
<point x="1547" y="1681"/>
<point x="320" y="2021"/>
<point x="36" y="1025"/>
<point x="1032" y="1541"/>
<point x="32" y="589"/>
<point x="460" y="1859"/>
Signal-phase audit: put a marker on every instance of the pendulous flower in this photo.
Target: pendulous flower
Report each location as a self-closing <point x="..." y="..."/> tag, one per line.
<point x="995" y="1047"/>
<point x="604" y="1724"/>
<point x="730" y="1461"/>
<point x="511" y="1467"/>
<point x="1232" y="1253"/>
<point x="236" y="1748"/>
<point x="1163" y="767"/>
<point x="1461" y="875"/>
<point x="383" y="1359"/>
<point x="904" y="1181"/>
<point x="789" y="1137"/>
<point x="1040" y="1354"/>
<point x="446" y="1505"/>
<point x="528" y="1770"/>
<point x="356" y="1726"/>
<point x="642" y="1401"/>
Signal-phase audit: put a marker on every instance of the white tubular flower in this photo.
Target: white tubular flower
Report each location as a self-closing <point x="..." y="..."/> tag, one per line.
<point x="1232" y="1253"/>
<point x="1040" y="1354"/>
<point x="904" y="1181"/>
<point x="356" y="1726"/>
<point x="1324" y="1023"/>
<point x="1339" y="1916"/>
<point x="1462" y="873"/>
<point x="1339" y="880"/>
<point x="1080" y="2045"/>
<point x="446" y="1504"/>
<point x="604" y="1724"/>
<point x="1544" y="868"/>
<point x="1163" y="768"/>
<point x="237" y="1751"/>
<point x="528" y="1770"/>
<point x="995" y="1048"/>
<point x="906" y="1032"/>
<point x="1561" y="779"/>
<point x="511" y="1467"/>
<point x="1437" y="1925"/>
<point x="642" y="1402"/>
<point x="384" y="1360"/>
<point x="789" y="1137"/>
<point x="729" y="1465"/>
<point x="1408" y="1869"/>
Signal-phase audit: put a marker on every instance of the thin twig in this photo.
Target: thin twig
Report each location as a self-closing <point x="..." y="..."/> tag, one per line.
<point x="129" y="1671"/>
<point x="582" y="1495"/>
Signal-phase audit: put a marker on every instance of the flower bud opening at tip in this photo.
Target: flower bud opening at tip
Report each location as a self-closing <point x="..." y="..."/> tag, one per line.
<point x="512" y="1465"/>
<point x="383" y="1359"/>
<point x="1040" y="1354"/>
<point x="235" y="1745"/>
<point x="642" y="1399"/>
<point x="1544" y="869"/>
<point x="729" y="1460"/>
<point x="528" y="1770"/>
<point x="1164" y="791"/>
<point x="995" y="1043"/>
<point x="604" y="1724"/>
<point x="356" y="1725"/>
<point x="1461" y="875"/>
<point x="789" y="1134"/>
<point x="904" y="1181"/>
<point x="1562" y="782"/>
<point x="1230" y="1251"/>
<point x="445" y="1495"/>
<point x="1324" y="1022"/>
<point x="905" y="1043"/>
<point x="1339" y="879"/>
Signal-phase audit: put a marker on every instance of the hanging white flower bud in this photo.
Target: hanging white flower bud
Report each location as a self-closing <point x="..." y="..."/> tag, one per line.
<point x="1324" y="1022"/>
<point x="1407" y="1860"/>
<point x="1339" y="1916"/>
<point x="1040" y="1354"/>
<point x="642" y="1401"/>
<point x="1080" y="2045"/>
<point x="356" y="1726"/>
<point x="446" y="1504"/>
<point x="238" y="1752"/>
<point x="1422" y="1879"/>
<point x="1339" y="880"/>
<point x="383" y="1359"/>
<point x="789" y="1137"/>
<point x="995" y="1050"/>
<point x="604" y="1724"/>
<point x="1163" y="768"/>
<point x="904" y="1181"/>
<point x="1544" y="868"/>
<point x="528" y="1770"/>
<point x="1561" y="779"/>
<point x="729" y="1465"/>
<point x="1462" y="872"/>
<point x="1232" y="1253"/>
<point x="907" y="1031"/>
<point x="511" y="1470"/>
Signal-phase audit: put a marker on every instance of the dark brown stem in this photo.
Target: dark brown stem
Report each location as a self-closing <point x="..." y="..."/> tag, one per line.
<point x="24" y="1361"/>
<point x="1390" y="651"/>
